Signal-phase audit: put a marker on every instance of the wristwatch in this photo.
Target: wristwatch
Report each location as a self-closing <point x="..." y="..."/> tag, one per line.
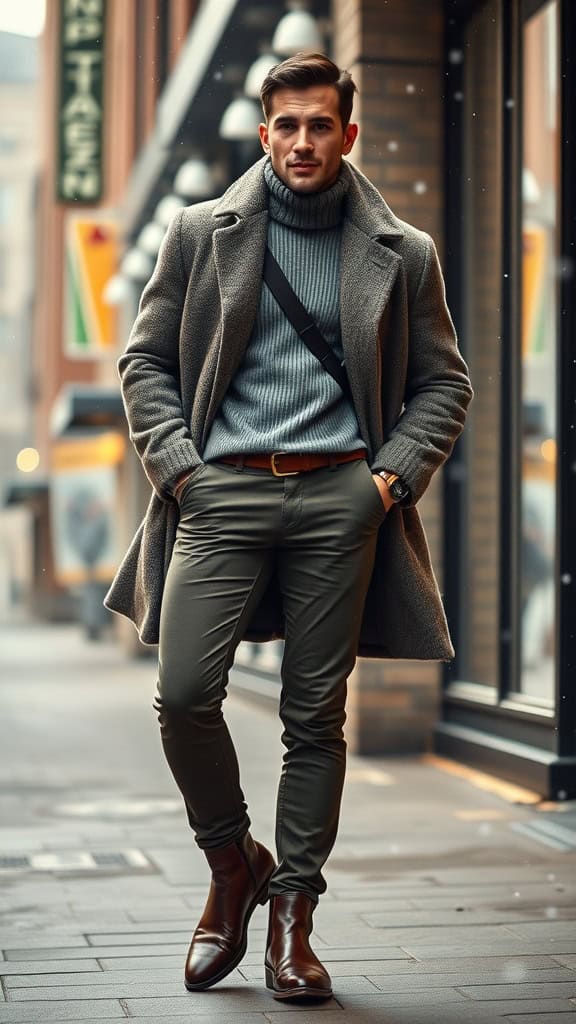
<point x="398" y="490"/>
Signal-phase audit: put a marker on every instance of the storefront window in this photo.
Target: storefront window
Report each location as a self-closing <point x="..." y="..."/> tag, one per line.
<point x="539" y="308"/>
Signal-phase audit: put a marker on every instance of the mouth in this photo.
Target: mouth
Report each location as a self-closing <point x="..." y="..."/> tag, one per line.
<point x="304" y="165"/>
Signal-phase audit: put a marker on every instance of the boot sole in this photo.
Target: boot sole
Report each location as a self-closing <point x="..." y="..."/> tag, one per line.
<point x="261" y="898"/>
<point x="294" y="993"/>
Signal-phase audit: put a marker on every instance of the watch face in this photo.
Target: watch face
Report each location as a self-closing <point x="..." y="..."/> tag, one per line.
<point x="398" y="490"/>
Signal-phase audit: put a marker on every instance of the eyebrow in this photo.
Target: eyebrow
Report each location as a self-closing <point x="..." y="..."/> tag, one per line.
<point x="325" y="119"/>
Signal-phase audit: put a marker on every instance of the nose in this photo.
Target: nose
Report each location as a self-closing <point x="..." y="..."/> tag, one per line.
<point x="303" y="141"/>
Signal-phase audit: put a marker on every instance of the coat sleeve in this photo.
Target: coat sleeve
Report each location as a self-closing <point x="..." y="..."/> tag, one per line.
<point x="437" y="391"/>
<point x="149" y="372"/>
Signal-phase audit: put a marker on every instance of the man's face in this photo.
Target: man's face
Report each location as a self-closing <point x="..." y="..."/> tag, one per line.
<point x="305" y="137"/>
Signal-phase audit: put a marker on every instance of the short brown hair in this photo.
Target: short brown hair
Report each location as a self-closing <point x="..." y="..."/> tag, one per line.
<point x="306" y="69"/>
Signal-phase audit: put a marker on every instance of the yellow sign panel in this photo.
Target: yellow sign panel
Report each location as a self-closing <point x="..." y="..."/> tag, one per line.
<point x="91" y="260"/>
<point x="104" y="449"/>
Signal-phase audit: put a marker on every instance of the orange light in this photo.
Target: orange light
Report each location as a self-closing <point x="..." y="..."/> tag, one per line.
<point x="548" y="450"/>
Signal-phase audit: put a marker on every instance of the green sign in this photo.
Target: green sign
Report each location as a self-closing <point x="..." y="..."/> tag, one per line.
<point x="80" y="102"/>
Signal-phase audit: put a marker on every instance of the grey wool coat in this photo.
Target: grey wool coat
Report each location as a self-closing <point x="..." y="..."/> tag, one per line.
<point x="409" y="385"/>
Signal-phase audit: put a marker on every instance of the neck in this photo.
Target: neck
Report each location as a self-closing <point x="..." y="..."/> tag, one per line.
<point x="310" y="211"/>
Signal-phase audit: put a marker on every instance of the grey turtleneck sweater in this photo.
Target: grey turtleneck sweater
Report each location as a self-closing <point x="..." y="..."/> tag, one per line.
<point x="281" y="398"/>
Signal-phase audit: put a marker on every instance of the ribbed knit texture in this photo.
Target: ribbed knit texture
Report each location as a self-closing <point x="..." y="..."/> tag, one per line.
<point x="281" y="398"/>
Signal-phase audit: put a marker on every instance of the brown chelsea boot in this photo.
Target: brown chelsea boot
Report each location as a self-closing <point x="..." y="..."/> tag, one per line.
<point x="240" y="874"/>
<point x="293" y="971"/>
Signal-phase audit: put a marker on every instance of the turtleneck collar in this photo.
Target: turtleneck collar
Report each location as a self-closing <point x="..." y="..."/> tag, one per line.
<point x="298" y="210"/>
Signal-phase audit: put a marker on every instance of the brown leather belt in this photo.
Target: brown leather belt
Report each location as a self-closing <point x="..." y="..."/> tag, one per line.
<point x="291" y="463"/>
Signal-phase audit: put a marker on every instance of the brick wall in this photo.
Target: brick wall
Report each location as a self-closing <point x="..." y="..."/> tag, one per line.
<point x="394" y="51"/>
<point x="482" y="108"/>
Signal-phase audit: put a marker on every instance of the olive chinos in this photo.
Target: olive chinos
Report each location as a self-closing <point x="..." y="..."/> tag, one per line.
<point x="317" y="530"/>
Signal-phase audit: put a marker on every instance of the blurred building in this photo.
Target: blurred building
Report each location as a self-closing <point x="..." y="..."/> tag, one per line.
<point x="19" y="122"/>
<point x="466" y="110"/>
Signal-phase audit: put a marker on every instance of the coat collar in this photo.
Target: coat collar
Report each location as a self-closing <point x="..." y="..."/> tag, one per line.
<point x="365" y="207"/>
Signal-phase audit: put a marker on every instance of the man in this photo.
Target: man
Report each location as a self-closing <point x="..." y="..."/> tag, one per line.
<point x="283" y="501"/>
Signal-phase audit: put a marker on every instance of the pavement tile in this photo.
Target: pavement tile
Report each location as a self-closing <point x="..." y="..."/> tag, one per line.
<point x="164" y="917"/>
<point x="38" y="941"/>
<point x="474" y="948"/>
<point x="39" y="1011"/>
<point x="365" y="936"/>
<point x="529" y="990"/>
<point x="136" y="937"/>
<point x="136" y="963"/>
<point x="73" y="953"/>
<point x="161" y="975"/>
<point x="502" y="874"/>
<point x="517" y="976"/>
<point x="330" y="954"/>
<point x="568" y="959"/>
<point x="447" y="1013"/>
<point x="338" y="909"/>
<point x="396" y="889"/>
<point x="9" y="969"/>
<point x="212" y="1017"/>
<point x="93" y="993"/>
<point x="543" y="1018"/>
<point x="384" y="999"/>
<point x="544" y="930"/>
<point x="312" y="1015"/>
<point x="534" y="1007"/>
<point x="392" y="1015"/>
<point x="221" y="1000"/>
<point x="452" y="918"/>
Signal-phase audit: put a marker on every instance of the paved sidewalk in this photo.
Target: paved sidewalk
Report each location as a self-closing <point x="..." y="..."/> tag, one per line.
<point x="439" y="909"/>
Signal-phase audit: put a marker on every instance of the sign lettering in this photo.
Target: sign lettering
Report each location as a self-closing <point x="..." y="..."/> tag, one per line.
<point x="80" y="110"/>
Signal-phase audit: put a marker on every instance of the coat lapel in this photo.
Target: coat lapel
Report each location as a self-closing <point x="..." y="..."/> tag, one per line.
<point x="368" y="271"/>
<point x="238" y="256"/>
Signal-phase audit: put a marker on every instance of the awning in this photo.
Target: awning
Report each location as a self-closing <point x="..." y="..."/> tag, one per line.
<point x="24" y="489"/>
<point x="220" y="46"/>
<point x="86" y="405"/>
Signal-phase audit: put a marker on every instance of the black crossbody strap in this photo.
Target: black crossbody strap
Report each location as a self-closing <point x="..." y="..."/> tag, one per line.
<point x="302" y="322"/>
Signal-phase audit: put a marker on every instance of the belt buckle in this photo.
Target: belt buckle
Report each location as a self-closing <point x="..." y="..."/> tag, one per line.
<point x="277" y="472"/>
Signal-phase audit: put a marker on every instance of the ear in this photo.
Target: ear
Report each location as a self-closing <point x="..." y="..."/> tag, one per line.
<point x="350" y="136"/>
<point x="263" y="132"/>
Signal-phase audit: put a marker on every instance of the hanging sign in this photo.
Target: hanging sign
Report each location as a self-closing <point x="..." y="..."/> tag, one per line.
<point x="80" y="105"/>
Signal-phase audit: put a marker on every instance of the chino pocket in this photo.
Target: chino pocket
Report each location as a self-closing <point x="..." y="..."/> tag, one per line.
<point x="375" y="492"/>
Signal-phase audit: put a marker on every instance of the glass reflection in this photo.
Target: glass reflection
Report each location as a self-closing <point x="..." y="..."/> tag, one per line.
<point x="538" y="333"/>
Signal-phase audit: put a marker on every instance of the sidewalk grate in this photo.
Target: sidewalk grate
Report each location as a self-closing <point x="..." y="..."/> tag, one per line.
<point x="80" y="861"/>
